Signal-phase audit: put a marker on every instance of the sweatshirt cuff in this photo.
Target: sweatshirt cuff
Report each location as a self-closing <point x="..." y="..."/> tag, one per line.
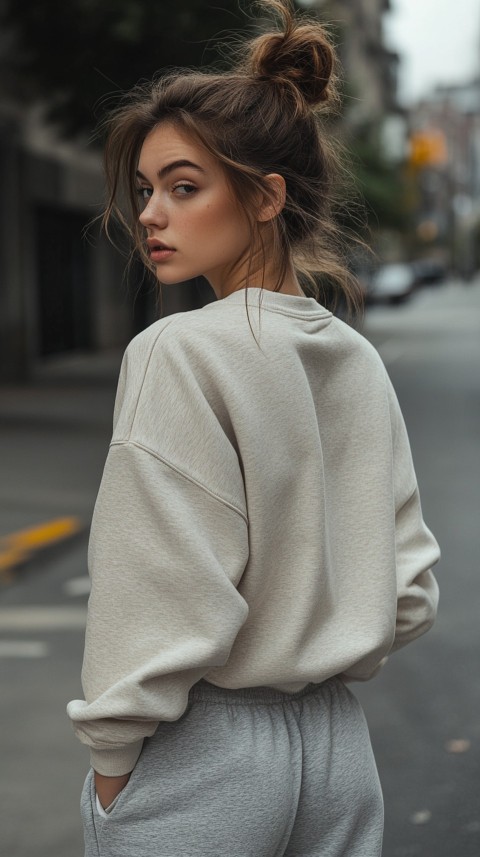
<point x="114" y="763"/>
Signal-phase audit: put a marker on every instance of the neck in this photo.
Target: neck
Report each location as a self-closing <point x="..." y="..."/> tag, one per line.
<point x="259" y="276"/>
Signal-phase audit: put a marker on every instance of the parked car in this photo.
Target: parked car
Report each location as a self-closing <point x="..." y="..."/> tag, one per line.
<point x="428" y="271"/>
<point x="392" y="283"/>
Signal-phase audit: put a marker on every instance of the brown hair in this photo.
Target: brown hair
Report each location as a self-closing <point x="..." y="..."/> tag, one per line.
<point x="265" y="116"/>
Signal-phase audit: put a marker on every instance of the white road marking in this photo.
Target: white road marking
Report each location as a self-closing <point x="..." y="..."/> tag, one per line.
<point x="77" y="586"/>
<point x="39" y="618"/>
<point x="23" y="649"/>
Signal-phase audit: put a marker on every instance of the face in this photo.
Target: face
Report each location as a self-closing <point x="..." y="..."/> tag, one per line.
<point x="194" y="226"/>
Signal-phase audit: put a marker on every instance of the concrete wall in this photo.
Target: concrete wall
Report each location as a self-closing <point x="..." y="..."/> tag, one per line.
<point x="37" y="172"/>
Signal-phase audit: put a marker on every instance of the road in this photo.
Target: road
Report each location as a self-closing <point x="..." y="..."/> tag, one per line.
<point x="53" y="441"/>
<point x="422" y="709"/>
<point x="429" y="696"/>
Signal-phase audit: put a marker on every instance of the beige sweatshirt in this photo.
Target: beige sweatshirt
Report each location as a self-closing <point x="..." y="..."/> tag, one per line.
<point x="258" y="520"/>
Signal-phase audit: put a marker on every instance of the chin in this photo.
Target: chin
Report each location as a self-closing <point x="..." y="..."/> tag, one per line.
<point x="165" y="280"/>
<point x="171" y="279"/>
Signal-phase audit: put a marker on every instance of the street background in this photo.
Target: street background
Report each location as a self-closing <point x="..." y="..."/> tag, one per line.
<point x="409" y="117"/>
<point x="422" y="710"/>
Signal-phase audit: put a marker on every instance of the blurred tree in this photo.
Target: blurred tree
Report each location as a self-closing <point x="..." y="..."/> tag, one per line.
<point x="381" y="182"/>
<point x="76" y="55"/>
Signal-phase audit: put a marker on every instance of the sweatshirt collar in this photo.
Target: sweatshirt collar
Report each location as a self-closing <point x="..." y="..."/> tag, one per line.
<point x="295" y="305"/>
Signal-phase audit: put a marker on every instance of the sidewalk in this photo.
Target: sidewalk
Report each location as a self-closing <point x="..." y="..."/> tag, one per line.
<point x="75" y="388"/>
<point x="54" y="435"/>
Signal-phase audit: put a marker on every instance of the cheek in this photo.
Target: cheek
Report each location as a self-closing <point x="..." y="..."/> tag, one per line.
<point x="200" y="223"/>
<point x="220" y="209"/>
<point x="226" y="224"/>
<point x="215" y="223"/>
<point x="212" y="213"/>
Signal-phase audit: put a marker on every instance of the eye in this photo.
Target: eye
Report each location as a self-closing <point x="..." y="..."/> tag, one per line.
<point x="144" y="192"/>
<point x="184" y="189"/>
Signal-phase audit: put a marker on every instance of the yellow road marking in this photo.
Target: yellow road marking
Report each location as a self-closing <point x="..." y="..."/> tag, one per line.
<point x="18" y="547"/>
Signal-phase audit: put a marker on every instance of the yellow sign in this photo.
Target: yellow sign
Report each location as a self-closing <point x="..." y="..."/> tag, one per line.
<point x="18" y="547"/>
<point x="428" y="148"/>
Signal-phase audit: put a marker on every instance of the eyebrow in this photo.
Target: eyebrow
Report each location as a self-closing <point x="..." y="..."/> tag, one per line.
<point x="168" y="168"/>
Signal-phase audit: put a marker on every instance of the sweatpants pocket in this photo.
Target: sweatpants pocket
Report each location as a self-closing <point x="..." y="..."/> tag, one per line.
<point x="87" y="811"/>
<point x="104" y="813"/>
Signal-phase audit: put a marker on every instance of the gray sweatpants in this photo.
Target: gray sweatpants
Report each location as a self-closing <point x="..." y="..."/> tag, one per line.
<point x="249" y="773"/>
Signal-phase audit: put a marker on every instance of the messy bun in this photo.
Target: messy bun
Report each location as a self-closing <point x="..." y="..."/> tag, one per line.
<point x="300" y="55"/>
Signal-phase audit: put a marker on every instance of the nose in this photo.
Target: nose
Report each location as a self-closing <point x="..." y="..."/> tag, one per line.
<point x="153" y="215"/>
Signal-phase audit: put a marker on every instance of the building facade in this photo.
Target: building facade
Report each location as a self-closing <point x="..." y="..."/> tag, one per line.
<point x="445" y="133"/>
<point x="63" y="287"/>
<point x="370" y="68"/>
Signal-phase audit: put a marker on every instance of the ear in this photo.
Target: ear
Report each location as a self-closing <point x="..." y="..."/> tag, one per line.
<point x="272" y="207"/>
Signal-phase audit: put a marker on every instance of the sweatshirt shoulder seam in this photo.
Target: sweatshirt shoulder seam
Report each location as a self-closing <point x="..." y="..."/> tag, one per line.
<point x="185" y="474"/>
<point x="147" y="364"/>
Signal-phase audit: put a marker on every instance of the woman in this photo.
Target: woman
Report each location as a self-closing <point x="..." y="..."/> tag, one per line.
<point x="257" y="541"/>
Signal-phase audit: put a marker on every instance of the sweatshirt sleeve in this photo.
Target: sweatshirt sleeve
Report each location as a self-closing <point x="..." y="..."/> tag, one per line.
<point x="416" y="548"/>
<point x="166" y="554"/>
<point x="164" y="558"/>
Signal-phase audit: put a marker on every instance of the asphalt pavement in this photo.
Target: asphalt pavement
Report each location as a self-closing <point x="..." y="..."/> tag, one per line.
<point x="422" y="709"/>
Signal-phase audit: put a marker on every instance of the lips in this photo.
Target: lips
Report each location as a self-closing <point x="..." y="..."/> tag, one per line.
<point x="158" y="251"/>
<point x="154" y="244"/>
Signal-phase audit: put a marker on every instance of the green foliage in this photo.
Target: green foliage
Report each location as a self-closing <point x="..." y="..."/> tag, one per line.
<point x="77" y="54"/>
<point x="381" y="183"/>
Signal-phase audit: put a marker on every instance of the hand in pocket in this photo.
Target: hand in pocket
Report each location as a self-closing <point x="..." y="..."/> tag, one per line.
<point x="108" y="788"/>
